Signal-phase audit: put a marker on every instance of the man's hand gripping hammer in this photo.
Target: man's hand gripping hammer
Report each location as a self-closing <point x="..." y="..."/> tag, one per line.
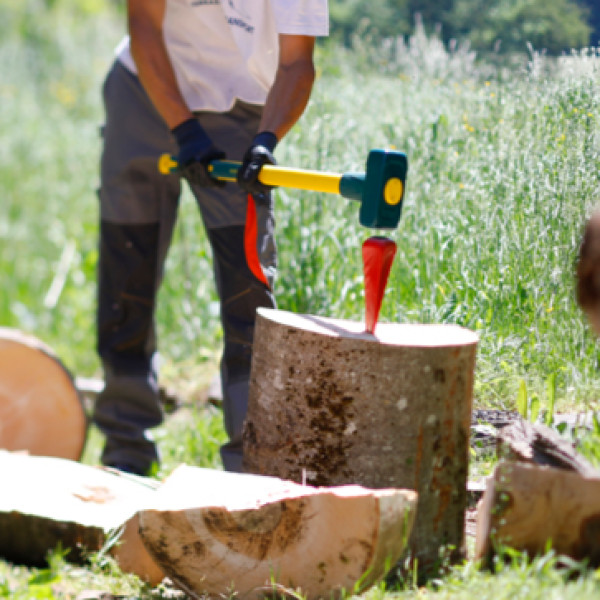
<point x="380" y="189"/>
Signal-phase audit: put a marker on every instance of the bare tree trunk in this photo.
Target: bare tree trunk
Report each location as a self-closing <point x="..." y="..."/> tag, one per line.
<point x="332" y="405"/>
<point x="41" y="410"/>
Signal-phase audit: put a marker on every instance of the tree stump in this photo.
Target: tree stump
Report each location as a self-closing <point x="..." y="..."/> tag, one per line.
<point x="330" y="405"/>
<point x="41" y="410"/>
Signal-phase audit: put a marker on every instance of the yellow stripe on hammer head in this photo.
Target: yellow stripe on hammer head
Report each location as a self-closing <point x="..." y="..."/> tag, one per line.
<point x="166" y="164"/>
<point x="392" y="192"/>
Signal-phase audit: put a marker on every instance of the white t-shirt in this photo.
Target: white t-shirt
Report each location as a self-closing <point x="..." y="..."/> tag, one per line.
<point x="224" y="50"/>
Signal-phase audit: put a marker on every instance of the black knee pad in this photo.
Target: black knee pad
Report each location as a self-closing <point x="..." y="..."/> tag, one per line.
<point x="127" y="285"/>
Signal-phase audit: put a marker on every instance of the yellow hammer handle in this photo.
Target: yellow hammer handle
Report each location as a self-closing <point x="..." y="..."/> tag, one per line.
<point x="300" y="179"/>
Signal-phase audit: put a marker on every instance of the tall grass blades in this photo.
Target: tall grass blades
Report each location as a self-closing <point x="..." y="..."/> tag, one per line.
<point x="503" y="170"/>
<point x="52" y="64"/>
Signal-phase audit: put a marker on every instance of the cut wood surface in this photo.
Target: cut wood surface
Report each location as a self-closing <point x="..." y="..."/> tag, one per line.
<point x="208" y="530"/>
<point x="332" y="405"/>
<point x="41" y="410"/>
<point x="527" y="506"/>
<point x="214" y="532"/>
<point x="47" y="501"/>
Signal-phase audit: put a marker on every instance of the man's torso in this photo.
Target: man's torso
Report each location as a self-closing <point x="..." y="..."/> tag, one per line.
<point x="224" y="50"/>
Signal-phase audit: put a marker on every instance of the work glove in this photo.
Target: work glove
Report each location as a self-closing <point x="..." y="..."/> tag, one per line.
<point x="196" y="151"/>
<point x="258" y="154"/>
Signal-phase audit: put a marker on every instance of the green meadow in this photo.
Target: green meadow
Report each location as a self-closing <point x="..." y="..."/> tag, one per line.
<point x="504" y="169"/>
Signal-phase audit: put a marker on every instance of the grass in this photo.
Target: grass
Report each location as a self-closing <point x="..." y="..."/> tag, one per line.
<point x="503" y="170"/>
<point x="504" y="166"/>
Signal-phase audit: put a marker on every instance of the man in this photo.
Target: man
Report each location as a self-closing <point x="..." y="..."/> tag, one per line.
<point x="201" y="79"/>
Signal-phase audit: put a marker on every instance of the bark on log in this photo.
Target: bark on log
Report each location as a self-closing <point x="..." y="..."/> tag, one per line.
<point x="526" y="506"/>
<point x="47" y="501"/>
<point x="537" y="444"/>
<point x="214" y="533"/>
<point x="587" y="275"/>
<point x="41" y="410"/>
<point x="333" y="405"/>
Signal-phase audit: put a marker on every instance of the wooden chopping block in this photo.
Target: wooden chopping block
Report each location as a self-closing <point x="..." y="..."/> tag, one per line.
<point x="41" y="411"/>
<point x="332" y="404"/>
<point x="214" y="532"/>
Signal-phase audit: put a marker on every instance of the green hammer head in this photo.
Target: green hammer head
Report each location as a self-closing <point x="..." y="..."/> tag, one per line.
<point x="380" y="189"/>
<point x="383" y="191"/>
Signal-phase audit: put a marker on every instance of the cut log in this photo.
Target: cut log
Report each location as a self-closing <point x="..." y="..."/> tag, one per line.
<point x="47" y="501"/>
<point x="214" y="533"/>
<point x="527" y="507"/>
<point x="587" y="274"/>
<point x="537" y="444"/>
<point x="208" y="530"/>
<point x="332" y="405"/>
<point x="41" y="410"/>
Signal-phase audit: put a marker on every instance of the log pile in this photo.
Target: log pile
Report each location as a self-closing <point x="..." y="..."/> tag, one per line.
<point x="542" y="494"/>
<point x="211" y="532"/>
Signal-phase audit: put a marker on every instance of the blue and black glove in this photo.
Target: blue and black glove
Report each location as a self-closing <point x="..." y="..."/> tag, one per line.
<point x="258" y="154"/>
<point x="196" y="151"/>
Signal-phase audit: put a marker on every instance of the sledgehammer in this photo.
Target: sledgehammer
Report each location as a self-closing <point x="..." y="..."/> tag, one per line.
<point x="380" y="189"/>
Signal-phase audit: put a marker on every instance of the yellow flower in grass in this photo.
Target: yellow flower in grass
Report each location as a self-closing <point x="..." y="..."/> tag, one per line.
<point x="64" y="94"/>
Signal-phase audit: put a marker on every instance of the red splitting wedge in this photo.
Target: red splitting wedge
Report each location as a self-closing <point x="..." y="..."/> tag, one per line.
<point x="378" y="254"/>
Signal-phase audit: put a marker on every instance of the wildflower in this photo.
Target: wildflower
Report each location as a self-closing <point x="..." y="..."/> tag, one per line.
<point x="64" y="94"/>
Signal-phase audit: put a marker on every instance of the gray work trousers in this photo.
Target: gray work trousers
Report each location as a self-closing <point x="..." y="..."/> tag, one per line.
<point x="138" y="211"/>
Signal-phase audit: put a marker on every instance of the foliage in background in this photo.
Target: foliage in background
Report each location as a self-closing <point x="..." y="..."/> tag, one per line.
<point x="504" y="26"/>
<point x="509" y="25"/>
<point x="503" y="170"/>
<point x="496" y="25"/>
<point x="592" y="8"/>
